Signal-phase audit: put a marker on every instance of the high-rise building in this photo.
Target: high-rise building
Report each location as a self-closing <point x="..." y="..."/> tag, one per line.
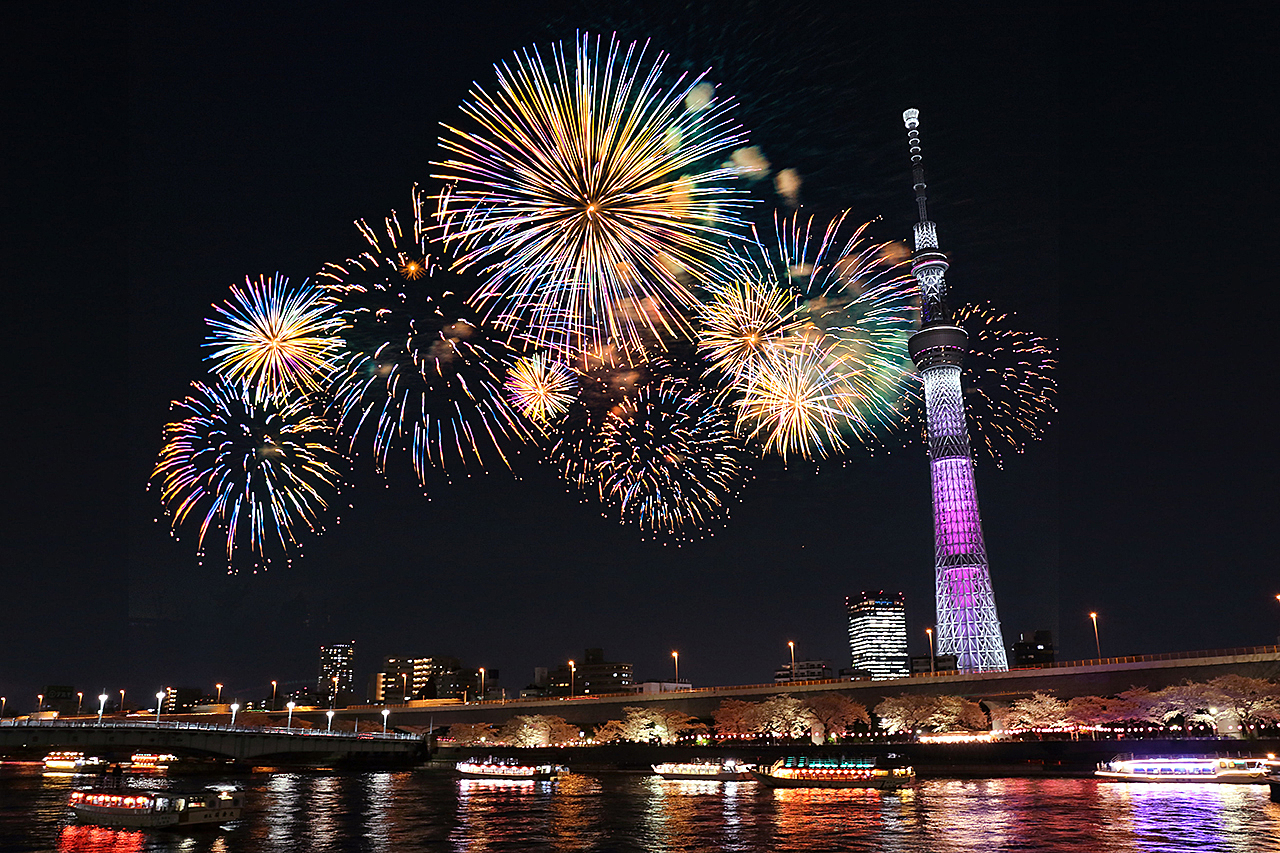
<point x="878" y="634"/>
<point x="591" y="676"/>
<point x="337" y="670"/>
<point x="1034" y="649"/>
<point x="402" y="679"/>
<point x="968" y="626"/>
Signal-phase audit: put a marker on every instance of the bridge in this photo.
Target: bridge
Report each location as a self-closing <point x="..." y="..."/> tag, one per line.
<point x="1105" y="677"/>
<point x="117" y="740"/>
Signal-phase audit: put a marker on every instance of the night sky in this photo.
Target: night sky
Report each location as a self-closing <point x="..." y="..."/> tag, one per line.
<point x="1111" y="183"/>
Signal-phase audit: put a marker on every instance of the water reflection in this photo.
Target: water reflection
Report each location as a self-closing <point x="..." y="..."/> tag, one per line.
<point x="99" y="839"/>
<point x="486" y="807"/>
<point x="1175" y="817"/>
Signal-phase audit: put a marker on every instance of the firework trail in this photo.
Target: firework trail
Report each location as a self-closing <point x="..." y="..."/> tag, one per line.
<point x="1008" y="381"/>
<point x="541" y="388"/>
<point x="668" y="459"/>
<point x="273" y="337"/>
<point x="417" y="370"/>
<point x="811" y="333"/>
<point x="582" y="195"/>
<point x="257" y="471"/>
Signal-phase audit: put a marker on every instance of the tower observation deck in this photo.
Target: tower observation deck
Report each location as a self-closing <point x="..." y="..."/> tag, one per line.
<point x="968" y="626"/>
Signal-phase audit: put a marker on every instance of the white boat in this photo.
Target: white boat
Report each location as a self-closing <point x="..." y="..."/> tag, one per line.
<point x="72" y="762"/>
<point x="492" y="768"/>
<point x="704" y="771"/>
<point x="140" y="808"/>
<point x="1210" y="768"/>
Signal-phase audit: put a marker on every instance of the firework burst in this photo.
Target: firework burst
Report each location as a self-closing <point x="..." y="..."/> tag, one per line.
<point x="668" y="458"/>
<point x="1008" y="381"/>
<point x="581" y="195"/>
<point x="259" y="472"/>
<point x="418" y="370"/>
<point x="811" y="332"/>
<point x="273" y="337"/>
<point x="541" y="388"/>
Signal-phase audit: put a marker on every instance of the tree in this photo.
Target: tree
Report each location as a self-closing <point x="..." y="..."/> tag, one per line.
<point x="956" y="713"/>
<point x="1038" y="711"/>
<point x="1189" y="702"/>
<point x="735" y="717"/>
<point x="1252" y="701"/>
<point x="836" y="713"/>
<point x="537" y="730"/>
<point x="1088" y="711"/>
<point x="469" y="734"/>
<point x="644" y="725"/>
<point x="1137" y="704"/>
<point x="785" y="716"/>
<point x="906" y="713"/>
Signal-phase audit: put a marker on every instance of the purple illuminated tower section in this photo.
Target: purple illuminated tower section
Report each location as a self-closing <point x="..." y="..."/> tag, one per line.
<point x="968" y="626"/>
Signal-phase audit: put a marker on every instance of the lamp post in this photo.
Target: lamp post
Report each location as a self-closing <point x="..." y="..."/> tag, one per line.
<point x="218" y="701"/>
<point x="102" y="706"/>
<point x="333" y="697"/>
<point x="79" y="701"/>
<point x="404" y="686"/>
<point x="676" y="657"/>
<point x="288" y="724"/>
<point x="159" y="704"/>
<point x="273" y="695"/>
<point x="481" y="696"/>
<point x="385" y="713"/>
<point x="122" y="701"/>
<point x="1097" y="644"/>
<point x="929" y="631"/>
<point x="4" y="700"/>
<point x="235" y="706"/>
<point x="573" y="672"/>
<point x="791" y="645"/>
<point x="329" y="714"/>
<point x="39" y="702"/>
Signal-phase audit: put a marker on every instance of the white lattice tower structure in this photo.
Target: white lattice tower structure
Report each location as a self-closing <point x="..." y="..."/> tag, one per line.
<point x="968" y="626"/>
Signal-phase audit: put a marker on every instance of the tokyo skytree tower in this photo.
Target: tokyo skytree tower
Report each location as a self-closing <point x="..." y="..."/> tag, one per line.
<point x="968" y="626"/>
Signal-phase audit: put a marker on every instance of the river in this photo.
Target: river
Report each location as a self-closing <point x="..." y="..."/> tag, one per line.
<point x="411" y="811"/>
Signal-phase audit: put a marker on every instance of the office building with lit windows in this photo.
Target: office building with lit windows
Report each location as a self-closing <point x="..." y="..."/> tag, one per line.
<point x="337" y="669"/>
<point x="878" y="634"/>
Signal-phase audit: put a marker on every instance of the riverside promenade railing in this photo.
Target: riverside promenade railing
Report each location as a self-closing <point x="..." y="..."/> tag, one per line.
<point x="179" y="725"/>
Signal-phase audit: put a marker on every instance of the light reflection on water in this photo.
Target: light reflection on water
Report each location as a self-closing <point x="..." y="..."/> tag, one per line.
<point x="411" y="812"/>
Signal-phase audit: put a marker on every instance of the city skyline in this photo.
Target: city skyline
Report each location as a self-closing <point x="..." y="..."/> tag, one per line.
<point x="221" y="158"/>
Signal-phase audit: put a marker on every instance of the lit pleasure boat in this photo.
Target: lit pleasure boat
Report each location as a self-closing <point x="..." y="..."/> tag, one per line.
<point x="492" y="768"/>
<point x="705" y="771"/>
<point x="72" y="762"/>
<point x="805" y="772"/>
<point x="140" y="808"/>
<point x="1184" y="769"/>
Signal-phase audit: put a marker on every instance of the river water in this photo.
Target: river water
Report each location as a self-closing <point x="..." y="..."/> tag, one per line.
<point x="405" y="812"/>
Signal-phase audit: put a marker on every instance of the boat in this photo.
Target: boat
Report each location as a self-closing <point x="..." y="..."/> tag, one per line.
<point x="72" y="762"/>
<point x="704" y="771"/>
<point x="150" y="763"/>
<point x="509" y="768"/>
<point x="799" y="771"/>
<point x="1205" y="768"/>
<point x="141" y="808"/>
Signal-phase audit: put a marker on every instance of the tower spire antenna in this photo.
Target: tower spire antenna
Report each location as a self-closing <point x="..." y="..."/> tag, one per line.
<point x="968" y="626"/>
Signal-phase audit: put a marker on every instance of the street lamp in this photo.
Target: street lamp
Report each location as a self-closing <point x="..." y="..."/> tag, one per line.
<point x="219" y="699"/>
<point x="4" y="700"/>
<point x="289" y="720"/>
<point x="235" y="706"/>
<point x="79" y="701"/>
<point x="273" y="695"/>
<point x="329" y="714"/>
<point x="573" y="673"/>
<point x="792" y="646"/>
<point x="1097" y="644"/>
<point x="159" y="702"/>
<point x="102" y="706"/>
<point x="676" y="657"/>
<point x="122" y="701"/>
<point x="385" y="714"/>
<point x="481" y="697"/>
<point x="929" y="631"/>
<point x="404" y="686"/>
<point x="333" y="697"/>
<point x="39" y="702"/>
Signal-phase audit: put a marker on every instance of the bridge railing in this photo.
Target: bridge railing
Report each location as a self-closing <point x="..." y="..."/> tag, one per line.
<point x="180" y="725"/>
